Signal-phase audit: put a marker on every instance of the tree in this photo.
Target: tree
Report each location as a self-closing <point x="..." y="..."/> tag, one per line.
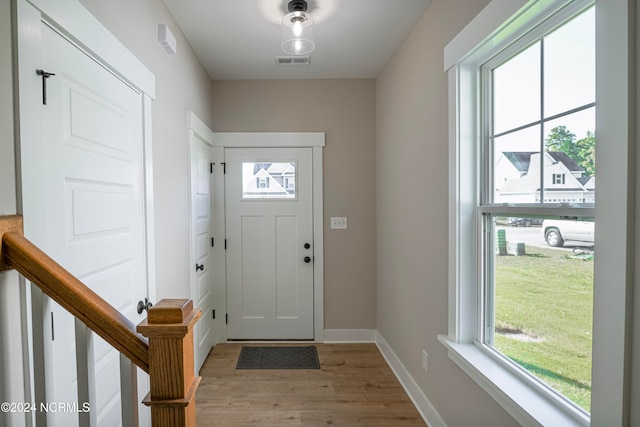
<point x="581" y="151"/>
<point x="587" y="148"/>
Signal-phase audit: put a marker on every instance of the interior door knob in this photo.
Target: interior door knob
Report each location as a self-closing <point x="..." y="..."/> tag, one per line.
<point x="144" y="305"/>
<point x="307" y="259"/>
<point x="307" y="245"/>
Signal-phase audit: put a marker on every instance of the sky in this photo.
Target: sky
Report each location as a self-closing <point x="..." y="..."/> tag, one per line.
<point x="569" y="80"/>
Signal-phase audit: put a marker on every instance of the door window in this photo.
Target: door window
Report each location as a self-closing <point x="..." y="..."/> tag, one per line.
<point x="268" y="180"/>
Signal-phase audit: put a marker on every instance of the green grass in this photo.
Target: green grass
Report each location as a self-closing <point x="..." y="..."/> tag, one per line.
<point x="547" y="298"/>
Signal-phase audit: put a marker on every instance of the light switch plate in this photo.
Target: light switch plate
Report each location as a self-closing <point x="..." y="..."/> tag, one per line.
<point x="339" y="222"/>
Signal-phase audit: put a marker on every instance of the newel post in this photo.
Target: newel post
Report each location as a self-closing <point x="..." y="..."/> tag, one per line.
<point x="169" y="327"/>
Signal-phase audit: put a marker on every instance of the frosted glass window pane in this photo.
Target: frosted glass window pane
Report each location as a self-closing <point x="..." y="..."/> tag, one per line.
<point x="268" y="180"/>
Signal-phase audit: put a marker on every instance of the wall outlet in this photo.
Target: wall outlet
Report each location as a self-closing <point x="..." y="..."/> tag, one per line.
<point x="425" y="361"/>
<point x="339" y="222"/>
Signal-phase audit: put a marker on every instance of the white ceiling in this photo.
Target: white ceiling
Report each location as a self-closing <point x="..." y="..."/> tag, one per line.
<point x="239" y="39"/>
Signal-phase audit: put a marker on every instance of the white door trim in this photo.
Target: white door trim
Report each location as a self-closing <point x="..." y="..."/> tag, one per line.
<point x="198" y="131"/>
<point x="76" y="24"/>
<point x="195" y="126"/>
<point x="81" y="27"/>
<point x="315" y="140"/>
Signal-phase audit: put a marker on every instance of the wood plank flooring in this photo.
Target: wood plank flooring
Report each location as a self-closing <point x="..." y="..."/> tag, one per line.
<point x="354" y="386"/>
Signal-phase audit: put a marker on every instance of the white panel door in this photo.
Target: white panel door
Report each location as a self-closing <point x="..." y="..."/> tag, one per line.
<point x="94" y="197"/>
<point x="201" y="246"/>
<point x="269" y="218"/>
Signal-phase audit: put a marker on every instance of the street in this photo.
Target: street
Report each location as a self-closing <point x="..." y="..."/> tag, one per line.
<point x="532" y="236"/>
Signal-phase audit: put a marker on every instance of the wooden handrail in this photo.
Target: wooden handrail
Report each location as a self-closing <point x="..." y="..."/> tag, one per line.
<point x="75" y="297"/>
<point x="167" y="355"/>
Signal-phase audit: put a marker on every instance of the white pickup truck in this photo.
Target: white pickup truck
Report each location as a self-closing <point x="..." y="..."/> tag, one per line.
<point x="556" y="232"/>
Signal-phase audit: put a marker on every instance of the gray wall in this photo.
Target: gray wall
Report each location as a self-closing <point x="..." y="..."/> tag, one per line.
<point x="412" y="153"/>
<point x="344" y="109"/>
<point x="412" y="144"/>
<point x="635" y="333"/>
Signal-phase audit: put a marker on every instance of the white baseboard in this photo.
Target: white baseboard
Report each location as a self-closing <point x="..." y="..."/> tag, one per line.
<point x="349" y="335"/>
<point x="424" y="406"/>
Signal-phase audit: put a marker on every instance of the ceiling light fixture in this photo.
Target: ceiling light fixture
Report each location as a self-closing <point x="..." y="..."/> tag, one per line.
<point x="297" y="29"/>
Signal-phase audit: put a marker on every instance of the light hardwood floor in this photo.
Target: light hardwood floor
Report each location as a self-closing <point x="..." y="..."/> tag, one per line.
<point x="354" y="386"/>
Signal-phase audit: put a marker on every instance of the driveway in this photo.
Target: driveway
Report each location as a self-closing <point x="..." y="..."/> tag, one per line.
<point x="532" y="236"/>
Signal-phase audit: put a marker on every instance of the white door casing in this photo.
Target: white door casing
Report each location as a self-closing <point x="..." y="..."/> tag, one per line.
<point x="269" y="243"/>
<point x="84" y="159"/>
<point x="315" y="141"/>
<point x="219" y="263"/>
<point x="201" y="244"/>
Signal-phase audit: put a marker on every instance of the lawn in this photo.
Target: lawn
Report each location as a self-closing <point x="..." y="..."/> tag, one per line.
<point x="544" y="303"/>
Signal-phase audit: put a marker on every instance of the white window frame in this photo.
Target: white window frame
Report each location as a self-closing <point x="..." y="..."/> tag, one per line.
<point x="613" y="277"/>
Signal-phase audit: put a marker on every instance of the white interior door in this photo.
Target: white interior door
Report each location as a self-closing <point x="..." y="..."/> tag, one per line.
<point x="94" y="201"/>
<point x="269" y="217"/>
<point x="202" y="243"/>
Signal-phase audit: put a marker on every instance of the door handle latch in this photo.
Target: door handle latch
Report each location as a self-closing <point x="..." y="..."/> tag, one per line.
<point x="144" y="305"/>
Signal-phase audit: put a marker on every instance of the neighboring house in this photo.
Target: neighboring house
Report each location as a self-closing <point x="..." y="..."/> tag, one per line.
<point x="517" y="179"/>
<point x="270" y="180"/>
<point x="285" y="175"/>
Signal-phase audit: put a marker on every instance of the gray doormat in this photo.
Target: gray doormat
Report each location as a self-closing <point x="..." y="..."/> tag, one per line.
<point x="278" y="358"/>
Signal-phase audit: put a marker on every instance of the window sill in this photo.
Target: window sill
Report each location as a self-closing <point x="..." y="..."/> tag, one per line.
<point x="529" y="405"/>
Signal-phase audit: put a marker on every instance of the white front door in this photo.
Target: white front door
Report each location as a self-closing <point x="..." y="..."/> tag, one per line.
<point x="269" y="206"/>
<point x="201" y="241"/>
<point x="94" y="223"/>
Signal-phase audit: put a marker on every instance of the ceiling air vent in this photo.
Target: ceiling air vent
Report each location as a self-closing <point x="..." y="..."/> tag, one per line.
<point x="293" y="60"/>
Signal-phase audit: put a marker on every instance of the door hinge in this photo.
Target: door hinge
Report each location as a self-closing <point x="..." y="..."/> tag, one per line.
<point x="213" y="244"/>
<point x="211" y="167"/>
<point x="53" y="334"/>
<point x="225" y="243"/>
<point x="214" y="313"/>
<point x="224" y="167"/>
<point x="226" y="319"/>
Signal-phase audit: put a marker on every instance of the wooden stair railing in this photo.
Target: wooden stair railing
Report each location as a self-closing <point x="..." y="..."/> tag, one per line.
<point x="167" y="355"/>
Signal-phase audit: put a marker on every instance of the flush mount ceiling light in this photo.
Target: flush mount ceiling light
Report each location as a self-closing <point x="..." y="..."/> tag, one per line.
<point x="297" y="29"/>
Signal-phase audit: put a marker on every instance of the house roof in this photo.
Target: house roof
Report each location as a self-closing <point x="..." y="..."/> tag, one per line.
<point x="588" y="182"/>
<point x="571" y="164"/>
<point x="280" y="168"/>
<point x="522" y="159"/>
<point x="257" y="166"/>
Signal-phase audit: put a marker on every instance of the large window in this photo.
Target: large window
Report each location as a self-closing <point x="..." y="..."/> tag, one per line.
<point x="508" y="156"/>
<point x="537" y="152"/>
